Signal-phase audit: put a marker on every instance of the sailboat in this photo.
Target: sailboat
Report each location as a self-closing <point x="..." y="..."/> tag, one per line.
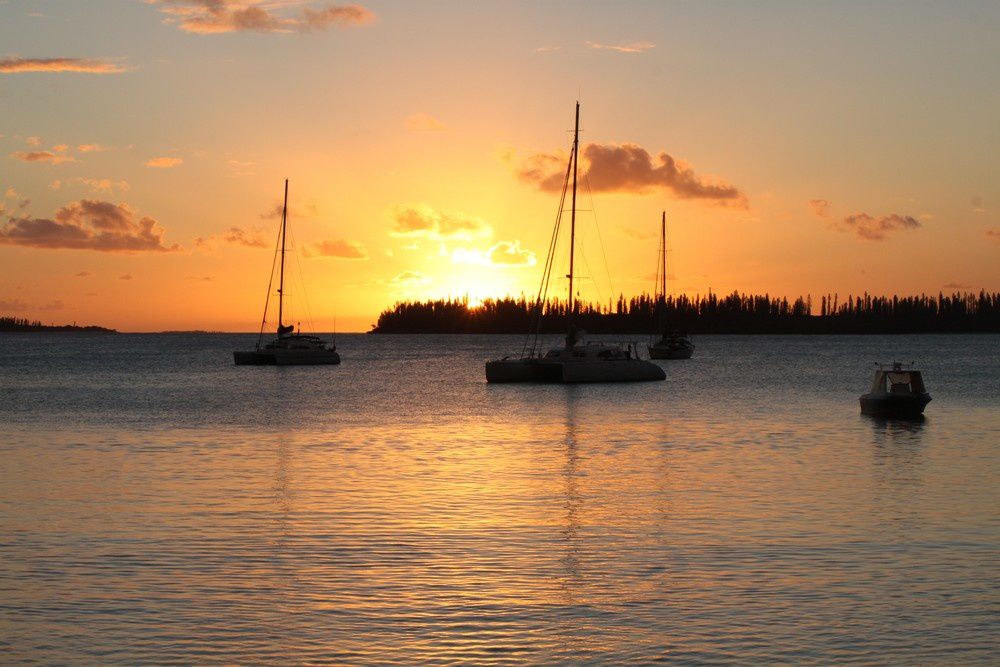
<point x="576" y="361"/>
<point x="673" y="344"/>
<point x="290" y="348"/>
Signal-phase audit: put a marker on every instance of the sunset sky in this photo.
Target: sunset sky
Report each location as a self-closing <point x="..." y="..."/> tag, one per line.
<point x="796" y="147"/>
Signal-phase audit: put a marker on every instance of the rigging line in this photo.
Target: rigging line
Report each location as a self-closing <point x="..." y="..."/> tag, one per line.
<point x="604" y="252"/>
<point x="302" y="286"/>
<point x="270" y="282"/>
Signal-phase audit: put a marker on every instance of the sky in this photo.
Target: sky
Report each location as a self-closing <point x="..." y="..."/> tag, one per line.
<point x="797" y="148"/>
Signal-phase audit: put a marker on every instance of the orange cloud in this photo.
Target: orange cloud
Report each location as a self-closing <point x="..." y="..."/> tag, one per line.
<point x="164" y="162"/>
<point x="92" y="148"/>
<point x="993" y="235"/>
<point x="423" y="122"/>
<point x="871" y="228"/>
<point x="42" y="156"/>
<point x="410" y="279"/>
<point x="629" y="168"/>
<point x="502" y="253"/>
<point x="15" y="65"/>
<point x="249" y="238"/>
<point x="420" y="220"/>
<point x="633" y="47"/>
<point x="102" y="184"/>
<point x="220" y="16"/>
<point x="337" y="248"/>
<point x="821" y="207"/>
<point x="88" y="225"/>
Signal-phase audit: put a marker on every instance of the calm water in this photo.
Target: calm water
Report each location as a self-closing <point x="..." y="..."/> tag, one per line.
<point x="158" y="504"/>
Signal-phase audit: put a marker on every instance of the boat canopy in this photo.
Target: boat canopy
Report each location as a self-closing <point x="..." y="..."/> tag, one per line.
<point x="898" y="381"/>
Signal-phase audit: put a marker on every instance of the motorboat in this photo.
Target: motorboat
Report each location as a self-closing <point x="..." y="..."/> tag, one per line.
<point x="291" y="347"/>
<point x="895" y="392"/>
<point x="673" y="344"/>
<point x="576" y="361"/>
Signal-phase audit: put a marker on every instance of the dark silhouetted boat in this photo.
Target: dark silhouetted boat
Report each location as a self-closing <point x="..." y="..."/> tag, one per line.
<point x="290" y="348"/>
<point x="897" y="392"/>
<point x="576" y="361"/>
<point x="673" y="344"/>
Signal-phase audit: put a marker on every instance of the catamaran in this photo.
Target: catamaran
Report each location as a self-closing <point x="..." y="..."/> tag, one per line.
<point x="290" y="348"/>
<point x="673" y="344"/>
<point x="576" y="361"/>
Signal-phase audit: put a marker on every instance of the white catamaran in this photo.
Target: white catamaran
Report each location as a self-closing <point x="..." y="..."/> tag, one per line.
<point x="576" y="361"/>
<point x="290" y="348"/>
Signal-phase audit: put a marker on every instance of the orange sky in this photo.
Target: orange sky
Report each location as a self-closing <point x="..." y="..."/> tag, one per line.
<point x="796" y="149"/>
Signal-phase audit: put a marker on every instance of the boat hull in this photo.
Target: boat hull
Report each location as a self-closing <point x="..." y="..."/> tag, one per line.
<point x="669" y="353"/>
<point x="559" y="372"/>
<point x="286" y="358"/>
<point x="890" y="405"/>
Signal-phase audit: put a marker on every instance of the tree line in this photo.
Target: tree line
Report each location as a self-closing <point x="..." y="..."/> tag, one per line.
<point x="736" y="313"/>
<point x="18" y="324"/>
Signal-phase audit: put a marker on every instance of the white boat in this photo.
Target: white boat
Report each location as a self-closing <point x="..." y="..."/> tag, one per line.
<point x="290" y="348"/>
<point x="576" y="361"/>
<point x="673" y="344"/>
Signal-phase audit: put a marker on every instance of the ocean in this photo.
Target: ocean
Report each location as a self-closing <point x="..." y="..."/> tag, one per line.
<point x="160" y="505"/>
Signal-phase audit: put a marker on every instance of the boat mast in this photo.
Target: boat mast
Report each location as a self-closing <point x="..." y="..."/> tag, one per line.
<point x="663" y="265"/>
<point x="281" y="280"/>
<point x="572" y="227"/>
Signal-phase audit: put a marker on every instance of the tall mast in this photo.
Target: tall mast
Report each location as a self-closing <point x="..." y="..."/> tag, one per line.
<point x="663" y="265"/>
<point x="281" y="280"/>
<point x="572" y="218"/>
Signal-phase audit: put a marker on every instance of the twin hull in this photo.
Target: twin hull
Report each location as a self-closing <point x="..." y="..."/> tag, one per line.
<point x="540" y="370"/>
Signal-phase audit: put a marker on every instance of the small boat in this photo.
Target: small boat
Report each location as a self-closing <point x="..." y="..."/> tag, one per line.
<point x="290" y="348"/>
<point x="576" y="361"/>
<point x="673" y="344"/>
<point x="898" y="392"/>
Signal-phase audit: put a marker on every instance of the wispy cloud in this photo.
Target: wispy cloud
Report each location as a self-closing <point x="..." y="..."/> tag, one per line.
<point x="92" y="148"/>
<point x="16" y="65"/>
<point x="238" y="236"/>
<point x="164" y="162"/>
<point x="629" y="168"/>
<point x="409" y="279"/>
<point x="102" y="185"/>
<point x="421" y="220"/>
<point x="125" y="276"/>
<point x="88" y="225"/>
<point x="631" y="47"/>
<point x="821" y="207"/>
<point x="872" y="228"/>
<point x="956" y="286"/>
<point x="424" y="122"/>
<point x="993" y="234"/>
<point x="502" y="254"/>
<point x="42" y="156"/>
<point x="337" y="248"/>
<point x="275" y="16"/>
<point x="241" y="167"/>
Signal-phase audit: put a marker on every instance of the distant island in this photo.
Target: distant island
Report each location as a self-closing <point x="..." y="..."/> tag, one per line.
<point x="736" y="313"/>
<point x="22" y="324"/>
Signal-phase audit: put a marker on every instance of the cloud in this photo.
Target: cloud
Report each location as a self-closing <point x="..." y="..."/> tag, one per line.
<point x="15" y="65"/>
<point x="204" y="279"/>
<point x="81" y="274"/>
<point x="423" y="122"/>
<point x="639" y="235"/>
<point x="103" y="185"/>
<point x="52" y="305"/>
<point x="164" y="162"/>
<point x="88" y="224"/>
<point x="249" y="238"/>
<point x="241" y="167"/>
<point x="633" y="47"/>
<point x="502" y="254"/>
<point x="208" y="17"/>
<point x="873" y="228"/>
<point x="546" y="49"/>
<point x="125" y="276"/>
<point x="420" y="220"/>
<point x="55" y="185"/>
<point x="11" y="193"/>
<point x="13" y="305"/>
<point x="821" y="207"/>
<point x="274" y="213"/>
<point x="92" y="148"/>
<point x="410" y="279"/>
<point x="60" y="148"/>
<point x="338" y="248"/>
<point x="956" y="286"/>
<point x="42" y="156"/>
<point x="629" y="168"/>
<point x="33" y="141"/>
<point x="993" y="234"/>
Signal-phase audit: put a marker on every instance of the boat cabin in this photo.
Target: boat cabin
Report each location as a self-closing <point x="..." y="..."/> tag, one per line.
<point x="898" y="381"/>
